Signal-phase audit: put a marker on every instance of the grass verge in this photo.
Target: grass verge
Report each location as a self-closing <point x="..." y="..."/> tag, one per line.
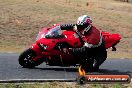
<point x="64" y="85"/>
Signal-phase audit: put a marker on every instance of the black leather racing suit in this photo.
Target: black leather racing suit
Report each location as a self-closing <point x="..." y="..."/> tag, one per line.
<point x="84" y="51"/>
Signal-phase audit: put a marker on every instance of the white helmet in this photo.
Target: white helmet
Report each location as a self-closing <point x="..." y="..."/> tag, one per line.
<point x="84" y="20"/>
<point x="83" y="23"/>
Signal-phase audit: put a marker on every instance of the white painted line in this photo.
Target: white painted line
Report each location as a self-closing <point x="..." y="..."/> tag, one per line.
<point x="36" y="80"/>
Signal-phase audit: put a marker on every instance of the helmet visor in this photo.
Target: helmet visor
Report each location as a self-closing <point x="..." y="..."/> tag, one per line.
<point x="82" y="27"/>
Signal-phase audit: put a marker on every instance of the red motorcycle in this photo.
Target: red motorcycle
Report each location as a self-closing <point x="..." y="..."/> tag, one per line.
<point x="51" y="41"/>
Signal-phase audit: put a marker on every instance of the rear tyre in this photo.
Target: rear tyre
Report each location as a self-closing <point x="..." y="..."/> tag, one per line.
<point x="25" y="59"/>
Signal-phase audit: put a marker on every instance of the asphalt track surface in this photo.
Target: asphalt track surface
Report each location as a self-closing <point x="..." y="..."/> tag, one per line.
<point x="10" y="69"/>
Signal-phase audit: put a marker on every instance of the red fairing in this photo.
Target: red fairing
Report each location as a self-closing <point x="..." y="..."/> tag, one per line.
<point x="110" y="39"/>
<point x="72" y="39"/>
<point x="36" y="49"/>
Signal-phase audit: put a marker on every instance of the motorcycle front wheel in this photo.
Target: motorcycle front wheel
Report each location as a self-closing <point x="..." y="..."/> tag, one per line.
<point x="26" y="59"/>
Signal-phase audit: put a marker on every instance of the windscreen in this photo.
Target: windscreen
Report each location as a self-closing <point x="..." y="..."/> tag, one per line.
<point x="55" y="32"/>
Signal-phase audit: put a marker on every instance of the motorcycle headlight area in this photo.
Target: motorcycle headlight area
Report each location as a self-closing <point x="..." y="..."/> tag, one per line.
<point x="42" y="46"/>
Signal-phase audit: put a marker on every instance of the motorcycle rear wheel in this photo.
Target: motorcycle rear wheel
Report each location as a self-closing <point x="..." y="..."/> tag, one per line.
<point x="25" y="59"/>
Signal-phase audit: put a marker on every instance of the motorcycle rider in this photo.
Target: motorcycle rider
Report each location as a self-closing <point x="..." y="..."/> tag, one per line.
<point x="91" y="38"/>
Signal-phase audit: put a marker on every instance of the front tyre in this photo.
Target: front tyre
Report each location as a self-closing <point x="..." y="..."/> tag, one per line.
<point x="25" y="59"/>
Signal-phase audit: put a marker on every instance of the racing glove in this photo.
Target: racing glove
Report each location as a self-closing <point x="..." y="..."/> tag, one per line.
<point x="67" y="26"/>
<point x="67" y="50"/>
